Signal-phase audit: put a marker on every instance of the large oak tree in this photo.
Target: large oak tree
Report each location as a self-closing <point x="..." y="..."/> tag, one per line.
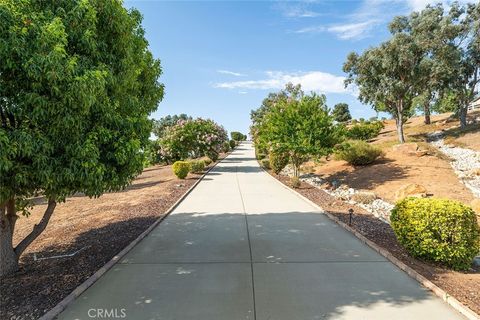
<point x="77" y="84"/>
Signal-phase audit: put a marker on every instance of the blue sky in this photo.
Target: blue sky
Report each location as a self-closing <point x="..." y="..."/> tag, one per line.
<point x="221" y="58"/>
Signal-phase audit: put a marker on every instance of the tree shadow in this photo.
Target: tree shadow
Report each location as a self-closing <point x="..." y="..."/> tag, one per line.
<point x="367" y="177"/>
<point x="40" y="285"/>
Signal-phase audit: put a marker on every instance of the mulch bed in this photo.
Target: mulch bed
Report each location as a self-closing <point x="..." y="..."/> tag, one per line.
<point x="464" y="286"/>
<point x="40" y="285"/>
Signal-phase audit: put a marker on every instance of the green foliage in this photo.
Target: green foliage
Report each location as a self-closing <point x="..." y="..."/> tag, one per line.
<point x="226" y="146"/>
<point x="357" y="152"/>
<point x="152" y="154"/>
<point x="213" y="155"/>
<point x="77" y="86"/>
<point x="238" y="136"/>
<point x="365" y="130"/>
<point x="193" y="139"/>
<point x="439" y="230"/>
<point x="295" y="182"/>
<point x="300" y="126"/>
<point x="341" y="113"/>
<point x="278" y="161"/>
<point x="160" y="126"/>
<point x="265" y="163"/>
<point x="181" y="169"/>
<point x="197" y="166"/>
<point x="233" y="144"/>
<point x="207" y="161"/>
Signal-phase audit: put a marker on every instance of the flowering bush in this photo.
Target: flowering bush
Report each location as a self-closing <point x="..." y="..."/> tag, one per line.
<point x="192" y="139"/>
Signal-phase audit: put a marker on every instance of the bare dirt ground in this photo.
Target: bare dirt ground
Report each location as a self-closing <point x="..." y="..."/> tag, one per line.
<point x="100" y="228"/>
<point x="464" y="286"/>
<point x="398" y="168"/>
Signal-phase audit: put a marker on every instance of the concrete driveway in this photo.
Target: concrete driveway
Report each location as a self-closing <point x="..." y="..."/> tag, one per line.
<point x="241" y="246"/>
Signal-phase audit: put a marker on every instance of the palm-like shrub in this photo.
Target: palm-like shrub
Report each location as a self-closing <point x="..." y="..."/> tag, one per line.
<point x="439" y="230"/>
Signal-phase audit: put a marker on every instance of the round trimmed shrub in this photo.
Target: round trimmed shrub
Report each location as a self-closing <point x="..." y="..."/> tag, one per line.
<point x="278" y="161"/>
<point x="358" y="152"/>
<point x="439" y="230"/>
<point x="197" y="166"/>
<point x="181" y="169"/>
<point x="233" y="144"/>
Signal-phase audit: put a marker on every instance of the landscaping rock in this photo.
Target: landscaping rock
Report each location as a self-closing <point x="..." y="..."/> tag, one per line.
<point x="411" y="190"/>
<point x="421" y="153"/>
<point x="475" y="204"/>
<point x="466" y="162"/>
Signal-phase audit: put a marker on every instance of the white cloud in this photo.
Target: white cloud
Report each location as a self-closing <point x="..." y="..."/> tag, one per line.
<point x="417" y="5"/>
<point x="231" y="73"/>
<point x="314" y="29"/>
<point x="297" y="10"/>
<point x="311" y="81"/>
<point x="352" y="30"/>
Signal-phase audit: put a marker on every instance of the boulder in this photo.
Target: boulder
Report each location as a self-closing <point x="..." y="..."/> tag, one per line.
<point x="421" y="153"/>
<point x="411" y="190"/>
<point x="406" y="148"/>
<point x="364" y="196"/>
<point x="475" y="204"/>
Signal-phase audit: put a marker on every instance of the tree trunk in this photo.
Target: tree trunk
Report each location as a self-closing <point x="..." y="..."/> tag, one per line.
<point x="462" y="114"/>
<point x="399" y="122"/>
<point x="8" y="258"/>
<point x="426" y="111"/>
<point x="8" y="216"/>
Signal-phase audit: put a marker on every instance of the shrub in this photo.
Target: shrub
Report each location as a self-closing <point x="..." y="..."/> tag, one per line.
<point x="439" y="230"/>
<point x="197" y="166"/>
<point x="278" y="161"/>
<point x="213" y="155"/>
<point x="295" y="182"/>
<point x="261" y="156"/>
<point x="192" y="139"/>
<point x="207" y="161"/>
<point x="233" y="144"/>
<point x="265" y="163"/>
<point x="181" y="169"/>
<point x="226" y="146"/>
<point x="357" y="152"/>
<point x="365" y="130"/>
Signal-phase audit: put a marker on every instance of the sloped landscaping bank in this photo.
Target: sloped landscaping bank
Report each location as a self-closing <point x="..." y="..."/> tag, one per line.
<point x="464" y="286"/>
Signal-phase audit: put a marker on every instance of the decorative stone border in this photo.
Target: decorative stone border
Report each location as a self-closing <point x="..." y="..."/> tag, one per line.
<point x="62" y="305"/>
<point x="450" y="300"/>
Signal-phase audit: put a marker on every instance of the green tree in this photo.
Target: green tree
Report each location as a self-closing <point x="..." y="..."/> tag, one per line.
<point x="159" y="126"/>
<point x="388" y="76"/>
<point x="257" y="116"/>
<point x="341" y="113"/>
<point x="238" y="136"/>
<point x="300" y="127"/>
<point x="77" y="84"/>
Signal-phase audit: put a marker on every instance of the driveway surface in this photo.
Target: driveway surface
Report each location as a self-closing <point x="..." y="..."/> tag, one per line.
<point x="241" y="246"/>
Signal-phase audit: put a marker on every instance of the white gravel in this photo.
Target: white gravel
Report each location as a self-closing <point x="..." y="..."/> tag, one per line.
<point x="465" y="162"/>
<point x="378" y="207"/>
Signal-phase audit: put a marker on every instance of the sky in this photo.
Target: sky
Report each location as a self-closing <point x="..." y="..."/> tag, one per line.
<point x="220" y="59"/>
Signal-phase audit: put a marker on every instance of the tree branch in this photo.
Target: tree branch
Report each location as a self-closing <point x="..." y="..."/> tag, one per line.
<point x="37" y="229"/>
